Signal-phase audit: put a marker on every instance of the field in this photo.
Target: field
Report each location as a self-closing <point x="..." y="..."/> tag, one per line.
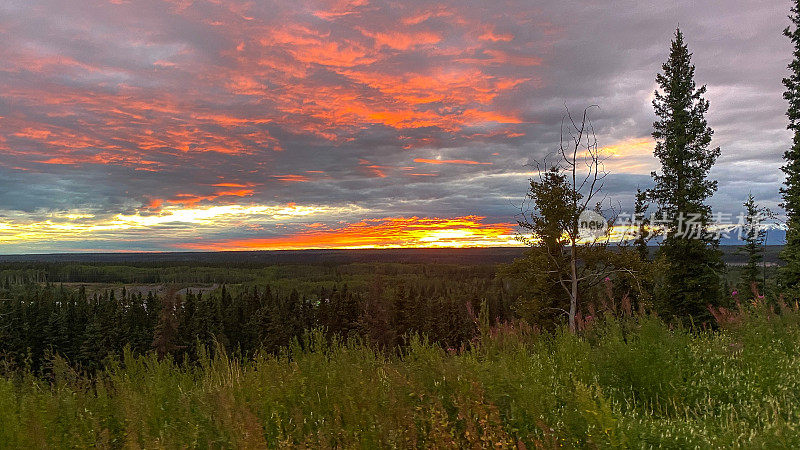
<point x="364" y="353"/>
<point x="630" y="382"/>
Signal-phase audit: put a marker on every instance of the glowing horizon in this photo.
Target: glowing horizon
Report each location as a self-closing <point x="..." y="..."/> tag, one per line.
<point x="185" y="223"/>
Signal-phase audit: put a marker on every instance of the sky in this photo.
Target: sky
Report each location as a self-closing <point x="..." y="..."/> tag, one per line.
<point x="205" y="125"/>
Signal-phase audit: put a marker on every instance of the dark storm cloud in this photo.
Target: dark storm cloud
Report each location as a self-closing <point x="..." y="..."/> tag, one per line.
<point x="130" y="107"/>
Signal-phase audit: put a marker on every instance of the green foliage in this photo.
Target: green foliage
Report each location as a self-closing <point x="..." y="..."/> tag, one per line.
<point x="623" y="383"/>
<point x="539" y="297"/>
<point x="541" y="300"/>
<point x="544" y="298"/>
<point x="683" y="289"/>
<point x="690" y="258"/>
<point x="791" y="168"/>
<point x="554" y="201"/>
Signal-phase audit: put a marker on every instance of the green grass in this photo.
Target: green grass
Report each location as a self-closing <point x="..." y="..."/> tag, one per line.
<point x="626" y="383"/>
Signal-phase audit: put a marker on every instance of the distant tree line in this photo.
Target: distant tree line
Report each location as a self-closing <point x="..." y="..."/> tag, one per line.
<point x="37" y="320"/>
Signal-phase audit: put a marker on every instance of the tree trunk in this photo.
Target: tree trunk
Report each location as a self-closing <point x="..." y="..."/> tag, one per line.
<point x="573" y="296"/>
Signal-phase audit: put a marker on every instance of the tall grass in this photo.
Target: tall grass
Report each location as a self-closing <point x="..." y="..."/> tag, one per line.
<point x="623" y="382"/>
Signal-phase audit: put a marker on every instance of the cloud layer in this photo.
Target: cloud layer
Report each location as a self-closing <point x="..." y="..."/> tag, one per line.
<point x="132" y="125"/>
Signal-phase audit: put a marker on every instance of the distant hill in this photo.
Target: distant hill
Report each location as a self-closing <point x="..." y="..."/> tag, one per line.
<point x="733" y="254"/>
<point x="465" y="256"/>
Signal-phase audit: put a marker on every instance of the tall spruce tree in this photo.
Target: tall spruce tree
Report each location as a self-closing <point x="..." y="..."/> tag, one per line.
<point x="790" y="272"/>
<point x="691" y="260"/>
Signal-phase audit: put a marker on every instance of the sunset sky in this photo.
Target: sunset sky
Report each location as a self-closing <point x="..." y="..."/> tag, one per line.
<point x="159" y="125"/>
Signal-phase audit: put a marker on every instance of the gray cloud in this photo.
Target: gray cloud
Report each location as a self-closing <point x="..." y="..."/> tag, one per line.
<point x="106" y="107"/>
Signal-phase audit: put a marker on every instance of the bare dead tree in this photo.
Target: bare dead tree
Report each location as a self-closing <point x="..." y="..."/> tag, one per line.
<point x="563" y="195"/>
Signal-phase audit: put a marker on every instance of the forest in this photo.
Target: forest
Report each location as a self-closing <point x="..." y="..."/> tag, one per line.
<point x="86" y="321"/>
<point x="376" y="355"/>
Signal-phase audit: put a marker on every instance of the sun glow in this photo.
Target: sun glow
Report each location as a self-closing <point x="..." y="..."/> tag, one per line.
<point x="393" y="232"/>
<point x="633" y="156"/>
<point x="272" y="227"/>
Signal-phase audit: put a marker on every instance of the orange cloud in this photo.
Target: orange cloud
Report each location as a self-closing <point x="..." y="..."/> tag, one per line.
<point x="290" y="178"/>
<point x="155" y="204"/>
<point x="275" y="63"/>
<point x="431" y="12"/>
<point x="449" y="161"/>
<point x="340" y="8"/>
<point x="393" y="232"/>
<point x="235" y="185"/>
<point x="490" y="35"/>
<point x="233" y="83"/>
<point x="33" y="134"/>
<point x="373" y="169"/>
<point x="191" y="199"/>
<point x="399" y="40"/>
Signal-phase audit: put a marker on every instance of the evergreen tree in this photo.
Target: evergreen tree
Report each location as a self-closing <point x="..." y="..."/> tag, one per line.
<point x="546" y="267"/>
<point x="187" y="333"/>
<point x="689" y="254"/>
<point x="642" y="223"/>
<point x="165" y="332"/>
<point x="377" y="319"/>
<point x="753" y="235"/>
<point x="140" y="330"/>
<point x="790" y="272"/>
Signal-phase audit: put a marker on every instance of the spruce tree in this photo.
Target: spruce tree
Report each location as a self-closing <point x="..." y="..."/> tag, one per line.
<point x="790" y="272"/>
<point x="751" y="282"/>
<point x="689" y="254"/>
<point x="642" y="223"/>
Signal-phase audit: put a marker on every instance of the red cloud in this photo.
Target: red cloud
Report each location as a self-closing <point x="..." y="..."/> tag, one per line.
<point x="232" y="84"/>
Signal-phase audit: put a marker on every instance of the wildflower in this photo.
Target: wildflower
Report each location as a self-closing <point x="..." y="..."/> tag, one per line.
<point x="734" y="293"/>
<point x="608" y="279"/>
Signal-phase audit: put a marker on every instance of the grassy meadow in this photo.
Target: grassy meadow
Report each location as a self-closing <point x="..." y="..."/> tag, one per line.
<point x="622" y="382"/>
